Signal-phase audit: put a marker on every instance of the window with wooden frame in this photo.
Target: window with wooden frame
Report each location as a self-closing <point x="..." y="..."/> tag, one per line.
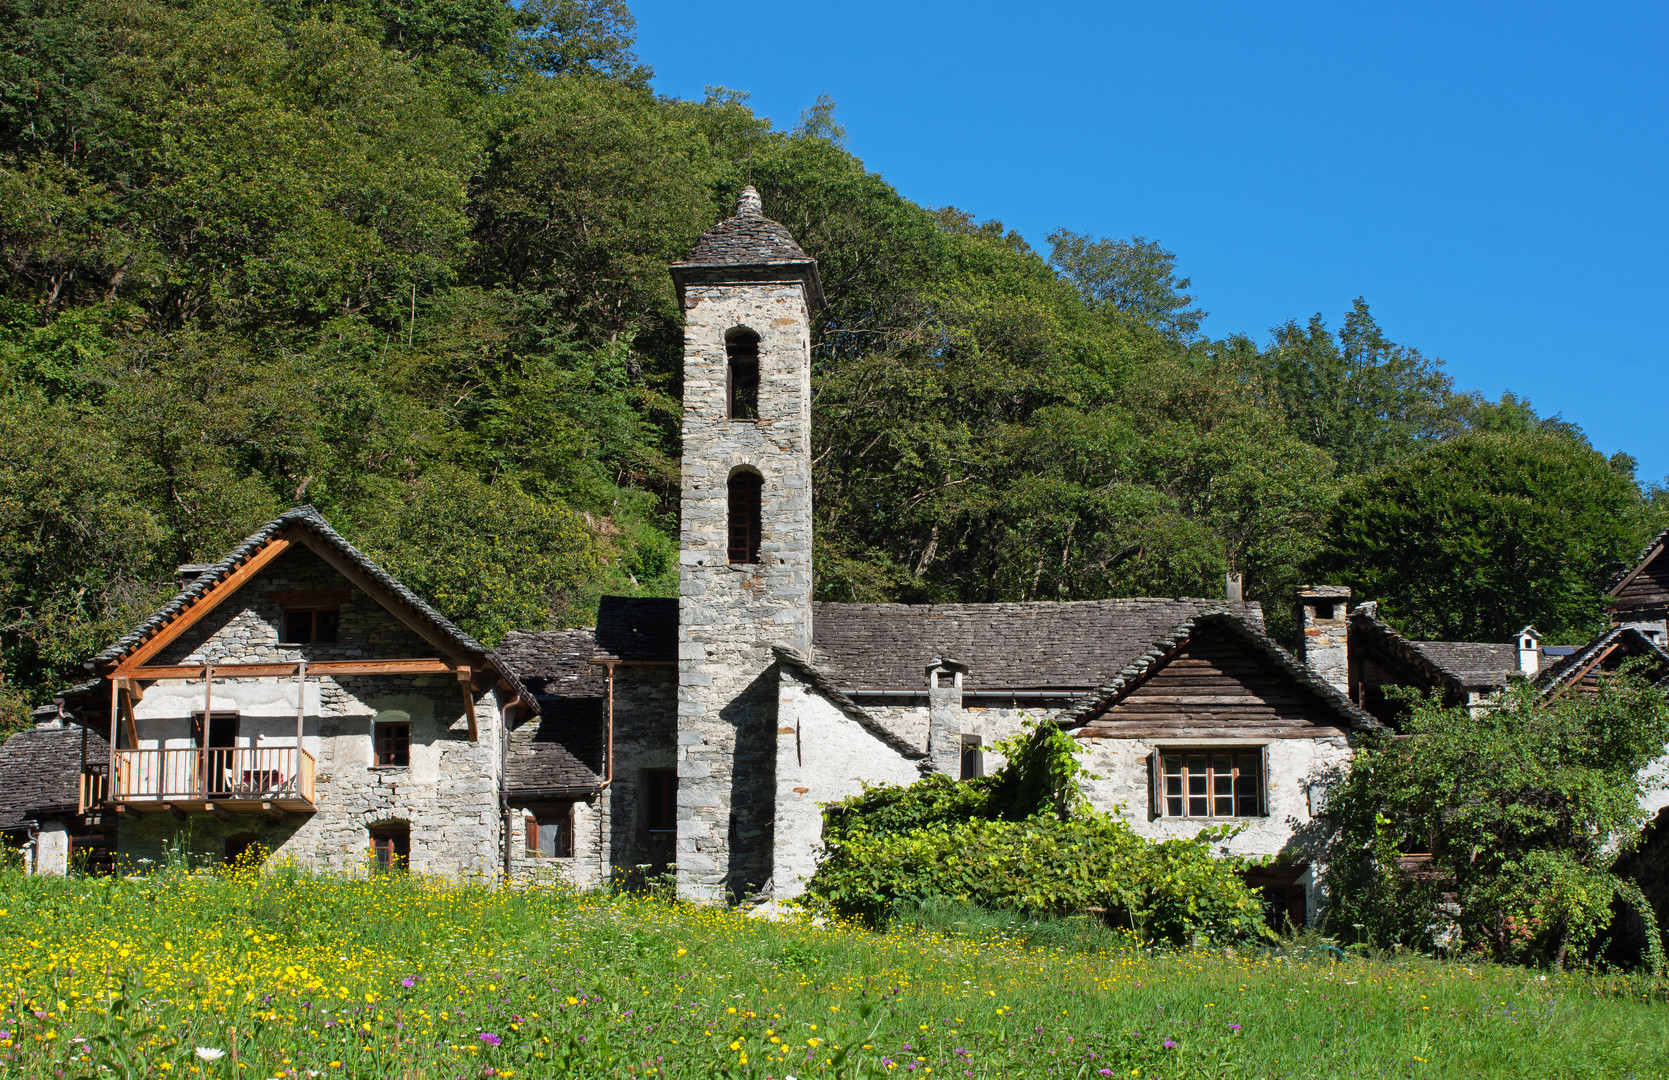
<point x="391" y="849"/>
<point x="741" y="348"/>
<point x="309" y="615"/>
<point x="973" y="757"/>
<point x="660" y="800"/>
<point x="550" y="832"/>
<point x="745" y="522"/>
<point x="1208" y="783"/>
<point x="391" y="742"/>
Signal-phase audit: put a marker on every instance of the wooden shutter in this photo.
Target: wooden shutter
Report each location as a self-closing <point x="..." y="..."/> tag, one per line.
<point x="1155" y="784"/>
<point x="1263" y="780"/>
<point x="532" y="835"/>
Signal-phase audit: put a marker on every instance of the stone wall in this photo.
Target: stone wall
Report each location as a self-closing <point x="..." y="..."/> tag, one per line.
<point x="585" y="868"/>
<point x="645" y="737"/>
<point x="731" y="615"/>
<point x="823" y="756"/>
<point x="1300" y="773"/>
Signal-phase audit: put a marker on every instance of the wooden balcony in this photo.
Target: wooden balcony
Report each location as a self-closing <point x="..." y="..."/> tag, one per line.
<point x="270" y="779"/>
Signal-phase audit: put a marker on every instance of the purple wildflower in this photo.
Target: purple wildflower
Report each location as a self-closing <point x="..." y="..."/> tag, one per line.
<point x="1170" y="1044"/>
<point x="489" y="1038"/>
<point x="1234" y="1027"/>
<point x="1104" y="1072"/>
<point x="408" y="982"/>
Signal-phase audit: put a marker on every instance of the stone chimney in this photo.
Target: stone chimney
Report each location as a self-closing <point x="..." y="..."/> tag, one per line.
<point x="1323" y="632"/>
<point x="944" y="715"/>
<point x="1529" y="652"/>
<point x="1231" y="588"/>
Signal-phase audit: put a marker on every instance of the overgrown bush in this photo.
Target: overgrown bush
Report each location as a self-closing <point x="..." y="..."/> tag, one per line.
<point x="1025" y="840"/>
<point x="1522" y="811"/>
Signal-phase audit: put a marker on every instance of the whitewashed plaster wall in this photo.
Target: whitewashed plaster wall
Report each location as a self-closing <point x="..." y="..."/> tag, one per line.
<point x="823" y="755"/>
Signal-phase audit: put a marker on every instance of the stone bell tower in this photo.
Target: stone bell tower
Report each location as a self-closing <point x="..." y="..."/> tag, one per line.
<point x="744" y="563"/>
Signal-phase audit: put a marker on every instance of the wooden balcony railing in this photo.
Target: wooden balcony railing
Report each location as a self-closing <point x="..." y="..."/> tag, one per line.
<point x="244" y="777"/>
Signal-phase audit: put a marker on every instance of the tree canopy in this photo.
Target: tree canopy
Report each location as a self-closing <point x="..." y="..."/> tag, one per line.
<point x="408" y="263"/>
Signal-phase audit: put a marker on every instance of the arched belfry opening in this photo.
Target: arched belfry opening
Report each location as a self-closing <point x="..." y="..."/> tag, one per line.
<point x="746" y="488"/>
<point x="741" y="349"/>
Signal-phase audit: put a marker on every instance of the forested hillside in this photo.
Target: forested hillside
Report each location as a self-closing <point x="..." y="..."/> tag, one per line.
<point x="408" y="263"/>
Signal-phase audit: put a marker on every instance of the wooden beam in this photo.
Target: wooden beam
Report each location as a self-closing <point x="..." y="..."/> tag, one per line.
<point x="427" y="666"/>
<point x="174" y="812"/>
<point x="130" y="723"/>
<point x="374" y="589"/>
<point x="272" y="811"/>
<point x="466" y="681"/>
<point x="217" y="811"/>
<point x="131" y="688"/>
<point x="1636" y="572"/>
<point x="1583" y="673"/>
<point x="204" y="604"/>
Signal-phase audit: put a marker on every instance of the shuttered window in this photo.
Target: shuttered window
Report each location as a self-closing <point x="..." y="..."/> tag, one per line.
<point x="742" y="378"/>
<point x="391" y="848"/>
<point x="550" y="833"/>
<point x="1210" y="784"/>
<point x="393" y="743"/>
<point x="745" y="488"/>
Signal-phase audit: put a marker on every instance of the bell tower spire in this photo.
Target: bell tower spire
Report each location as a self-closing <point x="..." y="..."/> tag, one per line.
<point x="744" y="563"/>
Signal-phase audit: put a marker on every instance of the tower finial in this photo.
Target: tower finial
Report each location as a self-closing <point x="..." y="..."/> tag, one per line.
<point x="750" y="202"/>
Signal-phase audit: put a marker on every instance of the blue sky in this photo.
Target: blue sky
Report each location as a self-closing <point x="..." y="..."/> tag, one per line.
<point x="1490" y="177"/>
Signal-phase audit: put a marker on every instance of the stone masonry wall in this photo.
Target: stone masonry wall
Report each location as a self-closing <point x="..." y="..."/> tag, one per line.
<point x="645" y="737"/>
<point x="731" y="616"/>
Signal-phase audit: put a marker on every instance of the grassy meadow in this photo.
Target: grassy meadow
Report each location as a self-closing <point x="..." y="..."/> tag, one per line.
<point x="286" y="975"/>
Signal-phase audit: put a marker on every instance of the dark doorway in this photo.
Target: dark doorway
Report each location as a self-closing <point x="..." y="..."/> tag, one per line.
<point x="220" y="740"/>
<point x="391" y="849"/>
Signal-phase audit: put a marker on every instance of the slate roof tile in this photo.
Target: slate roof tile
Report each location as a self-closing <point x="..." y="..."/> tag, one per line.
<point x="1252" y="634"/>
<point x="309" y="518"/>
<point x="562" y="751"/>
<point x="40" y="772"/>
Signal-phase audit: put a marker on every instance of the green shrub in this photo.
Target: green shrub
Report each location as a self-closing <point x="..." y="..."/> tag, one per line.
<point x="1025" y="840"/>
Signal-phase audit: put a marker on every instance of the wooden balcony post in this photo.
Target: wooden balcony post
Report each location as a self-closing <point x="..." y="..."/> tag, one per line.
<point x="114" y="708"/>
<point x="208" y="725"/>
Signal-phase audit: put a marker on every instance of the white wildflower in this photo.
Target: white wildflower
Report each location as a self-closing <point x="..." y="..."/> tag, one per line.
<point x="209" y="1053"/>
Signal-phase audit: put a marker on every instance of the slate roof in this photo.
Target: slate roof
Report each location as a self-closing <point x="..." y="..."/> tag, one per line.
<point x="1628" y="571"/>
<point x="1556" y="675"/>
<point x="1072" y="645"/>
<point x="1047" y="645"/>
<point x="40" y="771"/>
<point x="562" y="751"/>
<point x="1463" y="665"/>
<point x="309" y="518"/>
<point x="747" y="239"/>
<point x="816" y="678"/>
<point x="1475" y="665"/>
<point x="640" y="629"/>
<point x="1221" y="617"/>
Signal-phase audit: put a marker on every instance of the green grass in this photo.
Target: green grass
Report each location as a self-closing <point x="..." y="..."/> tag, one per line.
<point x="288" y="974"/>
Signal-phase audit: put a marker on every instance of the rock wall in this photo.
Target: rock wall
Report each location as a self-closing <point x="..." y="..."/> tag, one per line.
<point x="1301" y="771"/>
<point x="731" y="615"/>
<point x="645" y="737"/>
<point x="823" y="755"/>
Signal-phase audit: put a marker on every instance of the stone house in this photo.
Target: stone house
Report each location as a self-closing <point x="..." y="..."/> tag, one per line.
<point x="296" y="697"/>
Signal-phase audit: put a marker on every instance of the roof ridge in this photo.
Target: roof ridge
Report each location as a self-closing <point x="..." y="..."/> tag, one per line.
<point x="1101" y="699"/>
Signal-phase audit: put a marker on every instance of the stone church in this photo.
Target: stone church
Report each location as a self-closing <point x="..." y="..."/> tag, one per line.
<point x="296" y="697"/>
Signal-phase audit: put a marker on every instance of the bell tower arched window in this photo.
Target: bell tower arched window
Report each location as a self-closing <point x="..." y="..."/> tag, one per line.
<point x="745" y="523"/>
<point x="741" y="348"/>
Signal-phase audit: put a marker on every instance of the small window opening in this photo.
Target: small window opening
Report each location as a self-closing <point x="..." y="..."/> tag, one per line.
<point x="245" y="850"/>
<point x="393" y="743"/>
<point x="1323" y="611"/>
<point x="741" y="349"/>
<point x="550" y="833"/>
<point x="973" y="757"/>
<point x="745" y="489"/>
<point x="660" y="800"/>
<point x="1207" y="785"/>
<point x="303" y="626"/>
<point x="391" y="849"/>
